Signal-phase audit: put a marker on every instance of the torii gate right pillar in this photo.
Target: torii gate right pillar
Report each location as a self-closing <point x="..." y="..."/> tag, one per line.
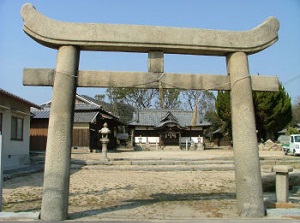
<point x="246" y="156"/>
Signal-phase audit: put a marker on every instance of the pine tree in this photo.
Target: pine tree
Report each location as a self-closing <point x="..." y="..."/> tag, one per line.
<point x="224" y="110"/>
<point x="273" y="111"/>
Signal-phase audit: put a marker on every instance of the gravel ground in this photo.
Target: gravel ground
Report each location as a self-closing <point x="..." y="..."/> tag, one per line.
<point x="96" y="193"/>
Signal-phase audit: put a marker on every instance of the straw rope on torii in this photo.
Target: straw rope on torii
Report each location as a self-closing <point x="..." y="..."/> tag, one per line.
<point x="70" y="38"/>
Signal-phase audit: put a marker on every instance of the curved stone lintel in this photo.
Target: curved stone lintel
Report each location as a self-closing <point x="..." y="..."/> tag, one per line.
<point x="138" y="38"/>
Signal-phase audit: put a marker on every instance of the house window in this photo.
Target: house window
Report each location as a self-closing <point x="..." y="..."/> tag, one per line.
<point x="16" y="128"/>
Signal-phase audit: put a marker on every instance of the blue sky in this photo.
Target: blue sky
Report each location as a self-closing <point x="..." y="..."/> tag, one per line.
<point x="18" y="51"/>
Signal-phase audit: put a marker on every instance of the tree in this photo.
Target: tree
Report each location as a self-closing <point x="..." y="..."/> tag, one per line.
<point x="100" y="97"/>
<point x="296" y="111"/>
<point x="118" y="103"/>
<point x="214" y="119"/>
<point x="201" y="102"/>
<point x="137" y="98"/>
<point x="224" y="110"/>
<point x="273" y="112"/>
<point x="168" y="98"/>
<point x="291" y="130"/>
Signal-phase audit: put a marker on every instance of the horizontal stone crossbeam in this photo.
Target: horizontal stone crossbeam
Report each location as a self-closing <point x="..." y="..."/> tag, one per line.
<point x="45" y="77"/>
<point x="139" y="38"/>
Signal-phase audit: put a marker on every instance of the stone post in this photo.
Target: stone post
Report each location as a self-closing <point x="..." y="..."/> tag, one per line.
<point x="186" y="145"/>
<point x="132" y="143"/>
<point x="193" y="146"/>
<point x="156" y="62"/>
<point x="57" y="164"/>
<point x="147" y="146"/>
<point x="200" y="145"/>
<point x="282" y="182"/>
<point x="140" y="142"/>
<point x="246" y="158"/>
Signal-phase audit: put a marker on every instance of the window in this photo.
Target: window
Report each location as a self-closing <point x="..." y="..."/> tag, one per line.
<point x="16" y="128"/>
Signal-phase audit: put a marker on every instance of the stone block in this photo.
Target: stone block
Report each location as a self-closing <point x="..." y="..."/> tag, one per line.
<point x="282" y="169"/>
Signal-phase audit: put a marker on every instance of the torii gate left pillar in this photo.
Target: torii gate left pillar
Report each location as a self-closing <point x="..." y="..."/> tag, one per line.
<point x="70" y="38"/>
<point x="57" y="171"/>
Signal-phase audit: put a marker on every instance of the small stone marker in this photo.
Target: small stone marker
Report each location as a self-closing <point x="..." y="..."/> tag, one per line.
<point x="200" y="145"/>
<point x="282" y="182"/>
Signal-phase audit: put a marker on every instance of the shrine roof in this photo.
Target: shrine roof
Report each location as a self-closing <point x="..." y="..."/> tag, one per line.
<point x="156" y="117"/>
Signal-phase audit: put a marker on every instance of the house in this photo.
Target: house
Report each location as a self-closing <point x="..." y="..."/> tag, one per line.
<point x="166" y="127"/>
<point x="89" y="117"/>
<point x="15" y="127"/>
<point x="284" y="131"/>
<point x="219" y="138"/>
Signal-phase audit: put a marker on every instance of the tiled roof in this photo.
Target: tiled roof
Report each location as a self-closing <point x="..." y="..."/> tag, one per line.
<point x="104" y="105"/>
<point x="153" y="117"/>
<point x="40" y="114"/>
<point x="15" y="97"/>
<point x="87" y="107"/>
<point x="85" y="117"/>
<point x="84" y="113"/>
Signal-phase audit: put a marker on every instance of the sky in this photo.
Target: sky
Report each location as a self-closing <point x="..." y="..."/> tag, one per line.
<point x="19" y="51"/>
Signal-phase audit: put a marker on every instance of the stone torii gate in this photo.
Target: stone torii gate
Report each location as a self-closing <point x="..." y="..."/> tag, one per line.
<point x="70" y="38"/>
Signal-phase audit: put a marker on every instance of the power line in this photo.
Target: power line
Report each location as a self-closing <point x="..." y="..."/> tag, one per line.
<point x="291" y="79"/>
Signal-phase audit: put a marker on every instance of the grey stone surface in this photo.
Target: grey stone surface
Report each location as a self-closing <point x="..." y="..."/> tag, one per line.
<point x="282" y="182"/>
<point x="137" y="38"/>
<point x="246" y="157"/>
<point x="279" y="212"/>
<point x="59" y="142"/>
<point x="156" y="62"/>
<point x="19" y="215"/>
<point x="282" y="169"/>
<point x="44" y="77"/>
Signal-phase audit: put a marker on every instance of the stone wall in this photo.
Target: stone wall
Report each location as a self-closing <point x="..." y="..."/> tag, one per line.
<point x="269" y="145"/>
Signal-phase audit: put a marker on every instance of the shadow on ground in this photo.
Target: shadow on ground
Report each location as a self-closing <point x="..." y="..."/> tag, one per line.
<point x="154" y="199"/>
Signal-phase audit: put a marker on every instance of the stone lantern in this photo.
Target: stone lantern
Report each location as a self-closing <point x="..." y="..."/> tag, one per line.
<point x="104" y="140"/>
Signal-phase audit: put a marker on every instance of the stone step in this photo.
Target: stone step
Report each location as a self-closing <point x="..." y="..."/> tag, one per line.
<point x="159" y="168"/>
<point x="181" y="162"/>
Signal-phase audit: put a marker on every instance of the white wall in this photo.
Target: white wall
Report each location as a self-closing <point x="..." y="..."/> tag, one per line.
<point x="189" y="139"/>
<point x="15" y="152"/>
<point x="151" y="140"/>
